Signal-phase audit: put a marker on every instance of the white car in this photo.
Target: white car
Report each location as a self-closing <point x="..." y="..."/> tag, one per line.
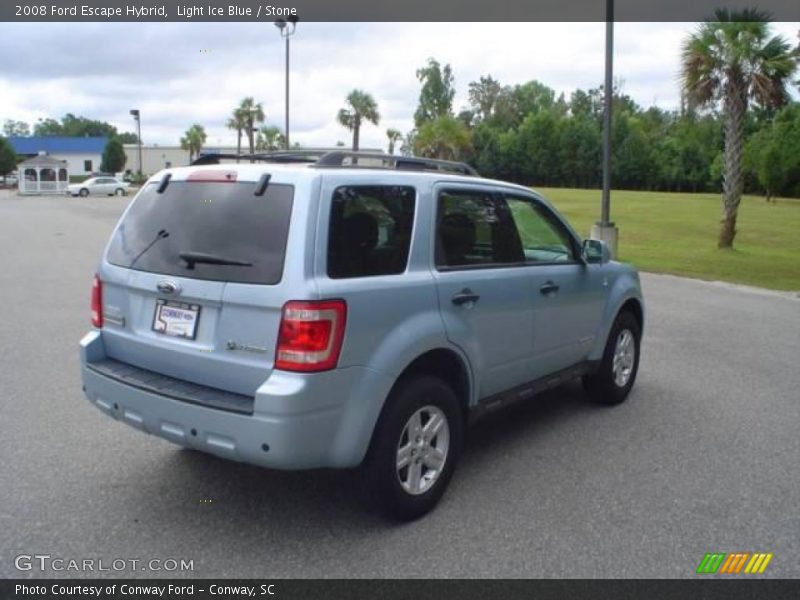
<point x="99" y="186"/>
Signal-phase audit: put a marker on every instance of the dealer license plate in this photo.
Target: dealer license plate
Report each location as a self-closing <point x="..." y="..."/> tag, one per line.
<point x="178" y="319"/>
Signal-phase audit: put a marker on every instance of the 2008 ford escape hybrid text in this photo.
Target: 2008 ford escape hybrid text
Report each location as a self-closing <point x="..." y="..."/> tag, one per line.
<point x="298" y="311"/>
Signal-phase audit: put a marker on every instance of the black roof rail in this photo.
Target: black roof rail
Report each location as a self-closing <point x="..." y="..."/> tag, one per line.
<point x="337" y="158"/>
<point x="211" y="159"/>
<point x="289" y="156"/>
<point x="340" y="158"/>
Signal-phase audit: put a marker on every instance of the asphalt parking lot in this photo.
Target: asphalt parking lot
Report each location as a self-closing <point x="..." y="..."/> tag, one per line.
<point x="704" y="456"/>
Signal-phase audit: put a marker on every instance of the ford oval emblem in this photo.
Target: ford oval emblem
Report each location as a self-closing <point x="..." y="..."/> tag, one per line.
<point x="167" y="287"/>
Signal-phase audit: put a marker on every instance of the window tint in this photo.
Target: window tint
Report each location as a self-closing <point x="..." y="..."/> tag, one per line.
<point x="370" y="230"/>
<point x="475" y="228"/>
<point x="543" y="238"/>
<point x="214" y="221"/>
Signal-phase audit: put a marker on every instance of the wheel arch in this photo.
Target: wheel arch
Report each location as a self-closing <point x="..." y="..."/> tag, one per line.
<point x="443" y="363"/>
<point x="625" y="295"/>
<point x="634" y="306"/>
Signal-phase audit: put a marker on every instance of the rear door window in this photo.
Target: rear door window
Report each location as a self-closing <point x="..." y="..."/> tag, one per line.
<point x="370" y="230"/>
<point x="206" y="230"/>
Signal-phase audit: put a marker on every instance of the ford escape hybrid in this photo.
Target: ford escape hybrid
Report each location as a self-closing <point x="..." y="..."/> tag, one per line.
<point x="339" y="310"/>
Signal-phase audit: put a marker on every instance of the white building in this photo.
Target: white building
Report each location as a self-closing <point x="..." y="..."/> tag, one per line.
<point x="83" y="155"/>
<point x="156" y="157"/>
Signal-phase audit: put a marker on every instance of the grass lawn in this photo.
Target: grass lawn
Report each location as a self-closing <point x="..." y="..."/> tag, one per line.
<point x="677" y="233"/>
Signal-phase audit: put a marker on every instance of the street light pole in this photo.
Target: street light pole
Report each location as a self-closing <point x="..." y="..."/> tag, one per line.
<point x="136" y="115"/>
<point x="287" y="93"/>
<point x="605" y="229"/>
<point x="286" y="28"/>
<point x="608" y="107"/>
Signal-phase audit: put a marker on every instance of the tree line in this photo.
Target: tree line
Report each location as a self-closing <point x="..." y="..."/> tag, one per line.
<point x="736" y="129"/>
<point x="528" y="134"/>
<point x="69" y="126"/>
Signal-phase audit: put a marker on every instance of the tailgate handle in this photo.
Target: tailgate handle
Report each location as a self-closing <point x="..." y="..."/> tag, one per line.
<point x="168" y="287"/>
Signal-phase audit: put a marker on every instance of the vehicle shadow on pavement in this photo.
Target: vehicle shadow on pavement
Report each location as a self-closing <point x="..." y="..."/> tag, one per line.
<point x="499" y="431"/>
<point x="237" y="497"/>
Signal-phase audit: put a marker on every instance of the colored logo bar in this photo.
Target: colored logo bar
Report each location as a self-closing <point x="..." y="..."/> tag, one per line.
<point x="734" y="563"/>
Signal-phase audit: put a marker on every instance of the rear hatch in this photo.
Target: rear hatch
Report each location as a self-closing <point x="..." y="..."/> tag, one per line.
<point x="194" y="290"/>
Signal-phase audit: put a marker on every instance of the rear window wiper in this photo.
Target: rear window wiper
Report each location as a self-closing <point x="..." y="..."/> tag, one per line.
<point x="193" y="258"/>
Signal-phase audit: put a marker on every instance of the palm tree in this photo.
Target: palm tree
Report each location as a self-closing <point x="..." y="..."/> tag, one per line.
<point x="394" y="136"/>
<point x="193" y="140"/>
<point x="360" y="107"/>
<point x="237" y="123"/>
<point x="269" y="138"/>
<point x="734" y="60"/>
<point x="446" y="138"/>
<point x="252" y="112"/>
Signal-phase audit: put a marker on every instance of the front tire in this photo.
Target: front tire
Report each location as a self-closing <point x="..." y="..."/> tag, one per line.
<point x="614" y="378"/>
<point x="119" y="192"/>
<point x="84" y="192"/>
<point x="415" y="448"/>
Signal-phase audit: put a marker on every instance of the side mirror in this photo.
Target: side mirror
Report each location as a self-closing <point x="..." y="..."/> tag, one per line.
<point x="595" y="252"/>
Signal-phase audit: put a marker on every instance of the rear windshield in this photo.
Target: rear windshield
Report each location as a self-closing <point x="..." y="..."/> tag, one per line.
<point x="202" y="230"/>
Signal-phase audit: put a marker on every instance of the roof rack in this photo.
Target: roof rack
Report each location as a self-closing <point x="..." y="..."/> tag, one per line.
<point x="346" y="159"/>
<point x="306" y="156"/>
<point x="339" y="158"/>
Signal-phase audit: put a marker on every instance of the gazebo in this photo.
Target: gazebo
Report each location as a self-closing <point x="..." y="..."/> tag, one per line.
<point x="43" y="174"/>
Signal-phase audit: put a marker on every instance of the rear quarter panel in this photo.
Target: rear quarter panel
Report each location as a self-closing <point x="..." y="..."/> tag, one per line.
<point x="391" y="319"/>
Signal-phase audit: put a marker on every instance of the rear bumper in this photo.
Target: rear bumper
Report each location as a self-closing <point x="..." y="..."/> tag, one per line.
<point x="299" y="421"/>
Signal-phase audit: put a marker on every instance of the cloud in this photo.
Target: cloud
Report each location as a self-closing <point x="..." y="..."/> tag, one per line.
<point x="183" y="73"/>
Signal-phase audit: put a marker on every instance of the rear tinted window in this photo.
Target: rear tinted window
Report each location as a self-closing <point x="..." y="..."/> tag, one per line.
<point x="370" y="230"/>
<point x="206" y="222"/>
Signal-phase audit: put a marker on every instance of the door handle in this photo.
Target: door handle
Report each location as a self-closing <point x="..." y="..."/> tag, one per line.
<point x="548" y="287"/>
<point x="465" y="296"/>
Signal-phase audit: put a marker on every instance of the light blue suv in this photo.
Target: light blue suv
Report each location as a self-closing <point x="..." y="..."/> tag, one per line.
<point x="340" y="310"/>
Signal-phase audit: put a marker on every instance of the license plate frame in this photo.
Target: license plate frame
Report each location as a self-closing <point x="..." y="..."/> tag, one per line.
<point x="176" y="325"/>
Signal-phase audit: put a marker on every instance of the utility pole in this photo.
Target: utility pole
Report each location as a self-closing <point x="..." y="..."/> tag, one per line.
<point x="605" y="229"/>
<point x="287" y="92"/>
<point x="286" y="28"/>
<point x="136" y="115"/>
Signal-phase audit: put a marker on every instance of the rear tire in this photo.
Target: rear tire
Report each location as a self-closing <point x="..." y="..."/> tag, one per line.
<point x="614" y="378"/>
<point x="415" y="448"/>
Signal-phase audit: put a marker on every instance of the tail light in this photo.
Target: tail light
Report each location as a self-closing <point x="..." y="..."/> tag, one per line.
<point x="97" y="302"/>
<point x="310" y="335"/>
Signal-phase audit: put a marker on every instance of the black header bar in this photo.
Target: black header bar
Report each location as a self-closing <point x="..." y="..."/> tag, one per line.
<point x="417" y="589"/>
<point x="377" y="10"/>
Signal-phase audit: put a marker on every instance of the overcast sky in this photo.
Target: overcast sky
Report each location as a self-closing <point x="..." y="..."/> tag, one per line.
<point x="183" y="73"/>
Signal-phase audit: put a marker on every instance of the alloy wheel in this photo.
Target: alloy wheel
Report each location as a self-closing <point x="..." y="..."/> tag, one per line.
<point x="422" y="450"/>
